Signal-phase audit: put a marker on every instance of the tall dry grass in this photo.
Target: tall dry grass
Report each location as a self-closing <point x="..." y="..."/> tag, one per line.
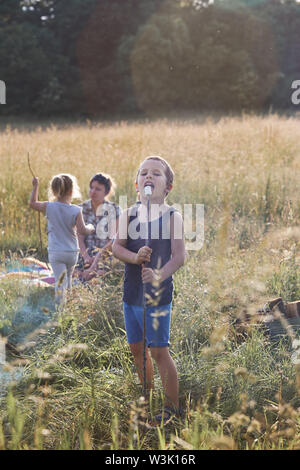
<point x="249" y="166"/>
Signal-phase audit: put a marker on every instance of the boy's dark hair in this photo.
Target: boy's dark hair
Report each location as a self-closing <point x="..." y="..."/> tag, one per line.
<point x="106" y="180"/>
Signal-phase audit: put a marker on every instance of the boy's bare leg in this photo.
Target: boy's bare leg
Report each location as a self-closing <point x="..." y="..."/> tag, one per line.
<point x="137" y="351"/>
<point x="168" y="374"/>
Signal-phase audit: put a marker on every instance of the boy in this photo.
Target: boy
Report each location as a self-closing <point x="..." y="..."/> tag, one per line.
<point x="164" y="255"/>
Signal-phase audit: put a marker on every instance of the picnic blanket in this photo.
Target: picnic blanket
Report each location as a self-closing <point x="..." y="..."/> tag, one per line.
<point x="29" y="270"/>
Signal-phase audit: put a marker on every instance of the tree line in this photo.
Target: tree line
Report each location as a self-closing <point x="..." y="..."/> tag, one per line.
<point x="108" y="57"/>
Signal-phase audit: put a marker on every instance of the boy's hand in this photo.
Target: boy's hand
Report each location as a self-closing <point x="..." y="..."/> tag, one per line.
<point x="143" y="255"/>
<point x="150" y="275"/>
<point x="35" y="182"/>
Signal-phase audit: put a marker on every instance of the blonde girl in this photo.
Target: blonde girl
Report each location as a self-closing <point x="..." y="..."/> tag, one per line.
<point x="65" y="220"/>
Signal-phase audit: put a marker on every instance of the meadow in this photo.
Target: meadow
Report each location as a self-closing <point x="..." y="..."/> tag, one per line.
<point x="79" y="389"/>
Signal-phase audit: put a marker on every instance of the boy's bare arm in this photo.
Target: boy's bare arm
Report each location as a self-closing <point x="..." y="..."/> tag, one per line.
<point x="119" y="249"/>
<point x="177" y="248"/>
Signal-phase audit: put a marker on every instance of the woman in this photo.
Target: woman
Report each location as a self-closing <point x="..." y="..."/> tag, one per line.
<point x="95" y="249"/>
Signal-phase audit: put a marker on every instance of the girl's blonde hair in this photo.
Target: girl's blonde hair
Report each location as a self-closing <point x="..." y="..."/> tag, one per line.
<point x="62" y="185"/>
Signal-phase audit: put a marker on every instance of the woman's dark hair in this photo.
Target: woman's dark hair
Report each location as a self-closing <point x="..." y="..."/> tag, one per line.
<point x="106" y="180"/>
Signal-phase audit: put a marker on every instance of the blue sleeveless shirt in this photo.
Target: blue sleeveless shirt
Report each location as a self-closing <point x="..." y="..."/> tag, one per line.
<point x="158" y="235"/>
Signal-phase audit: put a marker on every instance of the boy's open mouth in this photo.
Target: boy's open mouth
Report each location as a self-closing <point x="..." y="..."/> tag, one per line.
<point x="149" y="184"/>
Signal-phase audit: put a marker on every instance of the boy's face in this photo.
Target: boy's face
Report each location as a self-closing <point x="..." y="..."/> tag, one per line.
<point x="152" y="173"/>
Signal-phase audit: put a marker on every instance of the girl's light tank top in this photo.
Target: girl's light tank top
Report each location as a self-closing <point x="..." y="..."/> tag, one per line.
<point x="62" y="234"/>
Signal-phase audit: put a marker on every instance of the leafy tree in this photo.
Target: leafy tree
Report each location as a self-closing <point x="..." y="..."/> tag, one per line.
<point x="45" y="77"/>
<point x="204" y="59"/>
<point x="10" y="11"/>
<point x="284" y="21"/>
<point x="111" y="56"/>
<point x="23" y="66"/>
<point x="160" y="61"/>
<point x="103" y="51"/>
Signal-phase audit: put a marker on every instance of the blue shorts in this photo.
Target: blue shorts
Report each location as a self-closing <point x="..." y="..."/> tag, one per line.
<point x="157" y="324"/>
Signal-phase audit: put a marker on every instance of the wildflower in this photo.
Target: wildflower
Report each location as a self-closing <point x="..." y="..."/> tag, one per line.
<point x="239" y="419"/>
<point x="224" y="443"/>
<point x="241" y="372"/>
<point x="254" y="426"/>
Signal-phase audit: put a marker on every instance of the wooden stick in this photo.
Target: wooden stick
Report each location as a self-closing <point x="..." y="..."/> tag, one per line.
<point x="39" y="214"/>
<point x="145" y="391"/>
<point x="30" y="169"/>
